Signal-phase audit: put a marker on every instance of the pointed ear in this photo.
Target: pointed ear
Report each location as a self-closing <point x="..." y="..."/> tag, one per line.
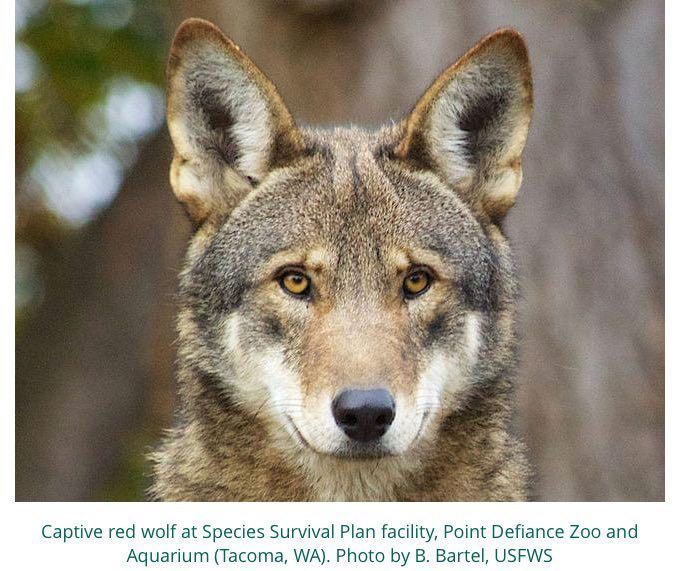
<point x="471" y="124"/>
<point x="228" y="124"/>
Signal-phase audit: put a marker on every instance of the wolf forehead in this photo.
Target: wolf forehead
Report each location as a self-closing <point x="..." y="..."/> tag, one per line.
<point x="349" y="201"/>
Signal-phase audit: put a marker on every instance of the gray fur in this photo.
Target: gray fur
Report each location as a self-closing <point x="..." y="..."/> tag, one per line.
<point x="358" y="197"/>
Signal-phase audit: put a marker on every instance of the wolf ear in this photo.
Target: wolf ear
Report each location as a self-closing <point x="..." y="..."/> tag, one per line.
<point x="228" y="124"/>
<point x="471" y="124"/>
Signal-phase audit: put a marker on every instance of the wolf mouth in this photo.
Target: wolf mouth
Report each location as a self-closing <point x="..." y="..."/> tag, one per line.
<point x="355" y="451"/>
<point x="298" y="433"/>
<point x="425" y="416"/>
<point x="352" y="451"/>
<point x="358" y="452"/>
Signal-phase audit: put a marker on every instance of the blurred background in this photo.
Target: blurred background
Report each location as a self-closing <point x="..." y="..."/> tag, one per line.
<point x="99" y="237"/>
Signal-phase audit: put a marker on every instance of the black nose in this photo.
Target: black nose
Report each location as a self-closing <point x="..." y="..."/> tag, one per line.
<point x="364" y="415"/>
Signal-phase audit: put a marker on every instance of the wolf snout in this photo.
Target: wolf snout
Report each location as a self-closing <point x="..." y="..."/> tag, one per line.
<point x="364" y="415"/>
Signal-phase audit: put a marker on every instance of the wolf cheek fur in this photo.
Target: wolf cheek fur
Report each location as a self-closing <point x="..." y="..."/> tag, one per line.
<point x="347" y="317"/>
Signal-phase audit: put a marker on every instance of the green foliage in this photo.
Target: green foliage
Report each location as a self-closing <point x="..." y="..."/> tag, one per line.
<point x="73" y="59"/>
<point x="78" y="48"/>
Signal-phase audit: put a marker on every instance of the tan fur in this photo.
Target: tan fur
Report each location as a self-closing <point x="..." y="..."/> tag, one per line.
<point x="355" y="212"/>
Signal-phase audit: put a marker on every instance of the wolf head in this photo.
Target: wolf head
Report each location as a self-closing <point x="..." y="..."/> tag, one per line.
<point x="346" y="290"/>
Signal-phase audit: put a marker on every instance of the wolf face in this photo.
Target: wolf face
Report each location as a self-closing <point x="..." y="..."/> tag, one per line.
<point x="347" y="290"/>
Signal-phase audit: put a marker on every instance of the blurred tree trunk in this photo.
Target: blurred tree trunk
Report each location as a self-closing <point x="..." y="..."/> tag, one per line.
<point x="87" y="360"/>
<point x="588" y="234"/>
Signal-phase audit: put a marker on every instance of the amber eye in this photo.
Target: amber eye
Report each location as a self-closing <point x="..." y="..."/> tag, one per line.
<point x="295" y="282"/>
<point x="416" y="283"/>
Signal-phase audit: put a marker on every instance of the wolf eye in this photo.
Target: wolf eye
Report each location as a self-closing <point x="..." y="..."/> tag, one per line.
<point x="295" y="282"/>
<point x="416" y="283"/>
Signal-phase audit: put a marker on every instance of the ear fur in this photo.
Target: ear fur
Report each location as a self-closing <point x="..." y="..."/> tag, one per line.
<point x="228" y="123"/>
<point x="471" y="124"/>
